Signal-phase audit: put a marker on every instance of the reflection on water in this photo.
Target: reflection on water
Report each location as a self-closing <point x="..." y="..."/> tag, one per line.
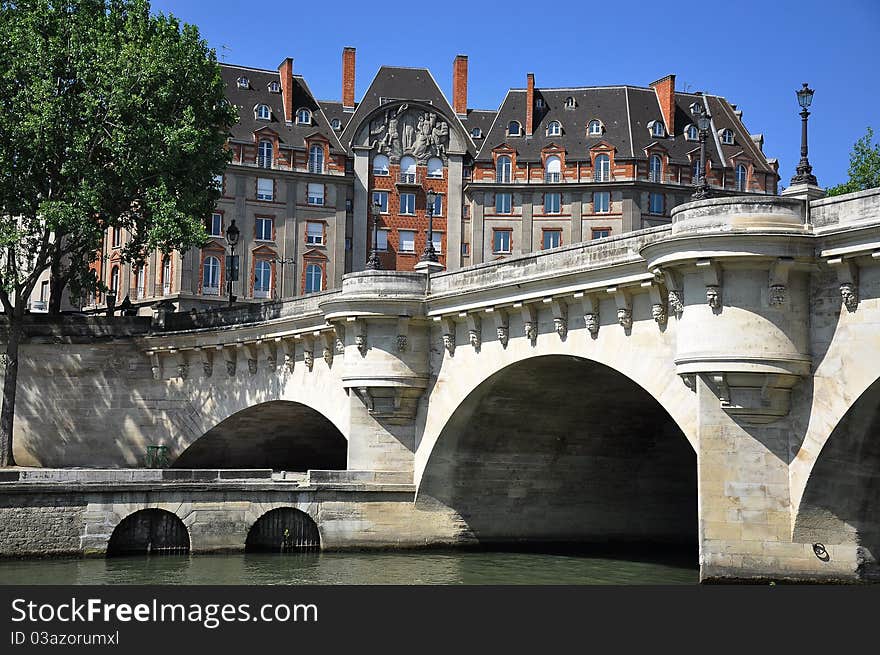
<point x="407" y="567"/>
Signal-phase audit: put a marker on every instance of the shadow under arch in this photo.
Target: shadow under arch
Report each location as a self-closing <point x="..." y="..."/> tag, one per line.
<point x="841" y="500"/>
<point x="283" y="530"/>
<point x="558" y="448"/>
<point x="149" y="532"/>
<point x="279" y="434"/>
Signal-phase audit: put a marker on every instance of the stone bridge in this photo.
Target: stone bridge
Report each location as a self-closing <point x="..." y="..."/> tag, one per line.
<point x="714" y="382"/>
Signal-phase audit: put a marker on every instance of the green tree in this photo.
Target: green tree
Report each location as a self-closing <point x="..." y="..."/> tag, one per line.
<point x="864" y="167"/>
<point x="109" y="117"/>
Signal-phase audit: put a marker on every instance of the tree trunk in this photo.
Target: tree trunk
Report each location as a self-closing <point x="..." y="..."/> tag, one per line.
<point x="10" y="386"/>
<point x="57" y="283"/>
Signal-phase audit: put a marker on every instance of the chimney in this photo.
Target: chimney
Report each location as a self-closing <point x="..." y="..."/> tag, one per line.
<point x="459" y="85"/>
<point x="530" y="103"/>
<point x="665" y="90"/>
<point x="348" y="78"/>
<point x="285" y="71"/>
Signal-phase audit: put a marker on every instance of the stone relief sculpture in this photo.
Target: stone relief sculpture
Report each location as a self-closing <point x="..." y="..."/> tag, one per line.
<point x="503" y="334"/>
<point x="625" y="318"/>
<point x="713" y="295"/>
<point x="561" y="327"/>
<point x="776" y="295"/>
<point x="676" y="304"/>
<point x="402" y="343"/>
<point x="409" y="131"/>
<point x="592" y="322"/>
<point x="849" y="295"/>
<point x="658" y="313"/>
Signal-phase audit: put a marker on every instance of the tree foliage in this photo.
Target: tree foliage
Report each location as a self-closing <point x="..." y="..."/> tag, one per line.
<point x="864" y="167"/>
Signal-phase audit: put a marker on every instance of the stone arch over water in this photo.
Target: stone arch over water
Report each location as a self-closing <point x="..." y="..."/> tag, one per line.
<point x="149" y="532"/>
<point x="283" y="530"/>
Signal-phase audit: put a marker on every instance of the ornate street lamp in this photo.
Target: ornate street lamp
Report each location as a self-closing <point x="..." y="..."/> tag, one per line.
<point x="804" y="174"/>
<point x="430" y="255"/>
<point x="704" y="122"/>
<point x="373" y="261"/>
<point x="232" y="234"/>
<point x="283" y="261"/>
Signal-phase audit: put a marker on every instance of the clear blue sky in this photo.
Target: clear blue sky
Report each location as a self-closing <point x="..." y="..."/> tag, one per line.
<point x="755" y="53"/>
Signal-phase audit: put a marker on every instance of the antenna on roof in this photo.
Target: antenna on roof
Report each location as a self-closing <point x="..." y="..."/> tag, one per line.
<point x="223" y="50"/>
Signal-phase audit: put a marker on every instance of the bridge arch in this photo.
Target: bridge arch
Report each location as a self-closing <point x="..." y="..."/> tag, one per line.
<point x="278" y="434"/>
<point x="283" y="530"/>
<point x="591" y="456"/>
<point x="149" y="531"/>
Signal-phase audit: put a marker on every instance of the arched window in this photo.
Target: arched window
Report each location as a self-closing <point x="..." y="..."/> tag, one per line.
<point x="655" y="172"/>
<point x="380" y="165"/>
<point x="477" y="133"/>
<point x="741" y="177"/>
<point x="211" y="276"/>
<point x="274" y="87"/>
<point x="263" y="112"/>
<point x="435" y="167"/>
<point x="657" y="129"/>
<point x="603" y="168"/>
<point x="554" y="128"/>
<point x="502" y="169"/>
<point x="304" y="117"/>
<point x="553" y="172"/>
<point x="243" y="83"/>
<point x="314" y="278"/>
<point x="407" y="169"/>
<point x="316" y="158"/>
<point x="727" y="137"/>
<point x="691" y="133"/>
<point x="570" y="102"/>
<point x="114" y="281"/>
<point x="141" y="282"/>
<point x="336" y="124"/>
<point x="513" y="128"/>
<point x="595" y="128"/>
<point x="262" y="279"/>
<point x="166" y="275"/>
<point x="264" y="154"/>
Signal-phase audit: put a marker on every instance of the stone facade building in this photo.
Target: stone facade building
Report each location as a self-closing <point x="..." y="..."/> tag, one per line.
<point x="548" y="167"/>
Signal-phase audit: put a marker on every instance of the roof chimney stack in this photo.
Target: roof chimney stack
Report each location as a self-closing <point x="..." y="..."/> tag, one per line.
<point x="348" y="77"/>
<point x="530" y="103"/>
<point x="285" y="72"/>
<point x="459" y="85"/>
<point x="665" y="90"/>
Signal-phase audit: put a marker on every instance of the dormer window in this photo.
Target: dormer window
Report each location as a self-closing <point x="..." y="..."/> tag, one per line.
<point x="691" y="133"/>
<point x="595" y="128"/>
<point x="539" y="103"/>
<point x="554" y="129"/>
<point x="244" y="83"/>
<point x="696" y="108"/>
<point x="570" y="103"/>
<point x="304" y="117"/>
<point x="477" y="133"/>
<point x="657" y="129"/>
<point x="263" y="112"/>
<point x="514" y="129"/>
<point x="727" y="137"/>
<point x="336" y="124"/>
<point x="274" y="87"/>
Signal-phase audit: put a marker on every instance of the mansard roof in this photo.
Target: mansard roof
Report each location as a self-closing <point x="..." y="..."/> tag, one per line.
<point x="333" y="109"/>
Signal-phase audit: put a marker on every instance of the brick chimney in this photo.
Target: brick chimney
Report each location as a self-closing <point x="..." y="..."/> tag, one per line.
<point x="285" y="71"/>
<point x="530" y="103"/>
<point x="665" y="90"/>
<point x="348" y="77"/>
<point x="459" y="85"/>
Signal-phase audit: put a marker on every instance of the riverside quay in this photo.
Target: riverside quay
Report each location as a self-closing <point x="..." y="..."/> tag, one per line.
<point x="714" y="381"/>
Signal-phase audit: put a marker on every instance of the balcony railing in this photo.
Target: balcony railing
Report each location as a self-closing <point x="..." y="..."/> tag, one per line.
<point x="552" y="178"/>
<point x="264" y="162"/>
<point x="315" y="167"/>
<point x="601" y="177"/>
<point x="408" y="179"/>
<point x="654" y="176"/>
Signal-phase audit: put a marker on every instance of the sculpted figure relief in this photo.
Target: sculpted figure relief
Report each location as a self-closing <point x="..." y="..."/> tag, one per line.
<point x="849" y="295"/>
<point x="407" y="131"/>
<point x="502" y="333"/>
<point x="713" y="296"/>
<point x="592" y="321"/>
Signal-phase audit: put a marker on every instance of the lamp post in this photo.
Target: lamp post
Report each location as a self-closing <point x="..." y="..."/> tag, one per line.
<point x="430" y="255"/>
<point x="283" y="261"/>
<point x="704" y="122"/>
<point x="373" y="261"/>
<point x="804" y="172"/>
<point x="232" y="234"/>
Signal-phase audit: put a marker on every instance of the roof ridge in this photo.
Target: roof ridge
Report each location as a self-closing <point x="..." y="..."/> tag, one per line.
<point x="249" y="68"/>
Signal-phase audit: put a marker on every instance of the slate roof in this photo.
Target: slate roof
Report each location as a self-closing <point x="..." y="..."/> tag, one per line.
<point x="481" y="118"/>
<point x="333" y="109"/>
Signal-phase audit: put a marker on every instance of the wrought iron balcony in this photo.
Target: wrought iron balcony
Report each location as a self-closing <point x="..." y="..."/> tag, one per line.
<point x="408" y="180"/>
<point x="552" y="178"/>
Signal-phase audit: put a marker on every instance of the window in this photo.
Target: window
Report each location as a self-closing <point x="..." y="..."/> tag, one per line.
<point x="314" y="233"/>
<point x="696" y="107"/>
<point x="407" y="241"/>
<point x="263" y="228"/>
<point x="465" y="211"/>
<point x="211" y="276"/>
<point x="215" y="227"/>
<point x="601" y="232"/>
<point x="601" y="202"/>
<point x="595" y="128"/>
<point x="336" y="124"/>
<point x="438" y="205"/>
<point x="539" y="103"/>
<point x="696" y="168"/>
<point x="553" y="171"/>
<point x="243" y="83"/>
<point x="570" y="102"/>
<point x="348" y="205"/>
<point x="166" y="275"/>
<point x="264" y="154"/>
<point x="655" y="169"/>
<point x="265" y="188"/>
<point x="262" y="279"/>
<point x="502" y="169"/>
<point x="407" y="203"/>
<point x="691" y="133"/>
<point x="465" y="249"/>
<point x="477" y="133"/>
<point x="382" y="240"/>
<point x="114" y="281"/>
<point x="657" y="129"/>
<point x="513" y="129"/>
<point x="407" y="169"/>
<point x="304" y="117"/>
<point x="727" y="137"/>
<point x="274" y="87"/>
<point x="316" y="159"/>
<point x="116" y="238"/>
<point x="141" y="282"/>
<point x="380" y="165"/>
<point x="551" y="203"/>
<point x="554" y="129"/>
<point x="501" y="241"/>
<point x="315" y="194"/>
<point x="655" y="203"/>
<point x="314" y="278"/>
<point x="552" y="238"/>
<point x="602" y="171"/>
<point x="381" y="198"/>
<point x="263" y="112"/>
<point x="741" y="177"/>
<point x="435" y="167"/>
<point x="502" y="203"/>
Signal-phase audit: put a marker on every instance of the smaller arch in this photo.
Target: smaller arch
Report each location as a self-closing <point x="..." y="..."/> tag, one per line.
<point x="283" y="530"/>
<point x="514" y="128"/>
<point x="265" y="154"/>
<point x="554" y="128"/>
<point x="316" y="158"/>
<point x="595" y="127"/>
<point x="502" y="169"/>
<point x="263" y="112"/>
<point x="742" y="177"/>
<point x="655" y="168"/>
<point x="303" y="116"/>
<point x="149" y="532"/>
<point x="691" y="133"/>
<point x="435" y="167"/>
